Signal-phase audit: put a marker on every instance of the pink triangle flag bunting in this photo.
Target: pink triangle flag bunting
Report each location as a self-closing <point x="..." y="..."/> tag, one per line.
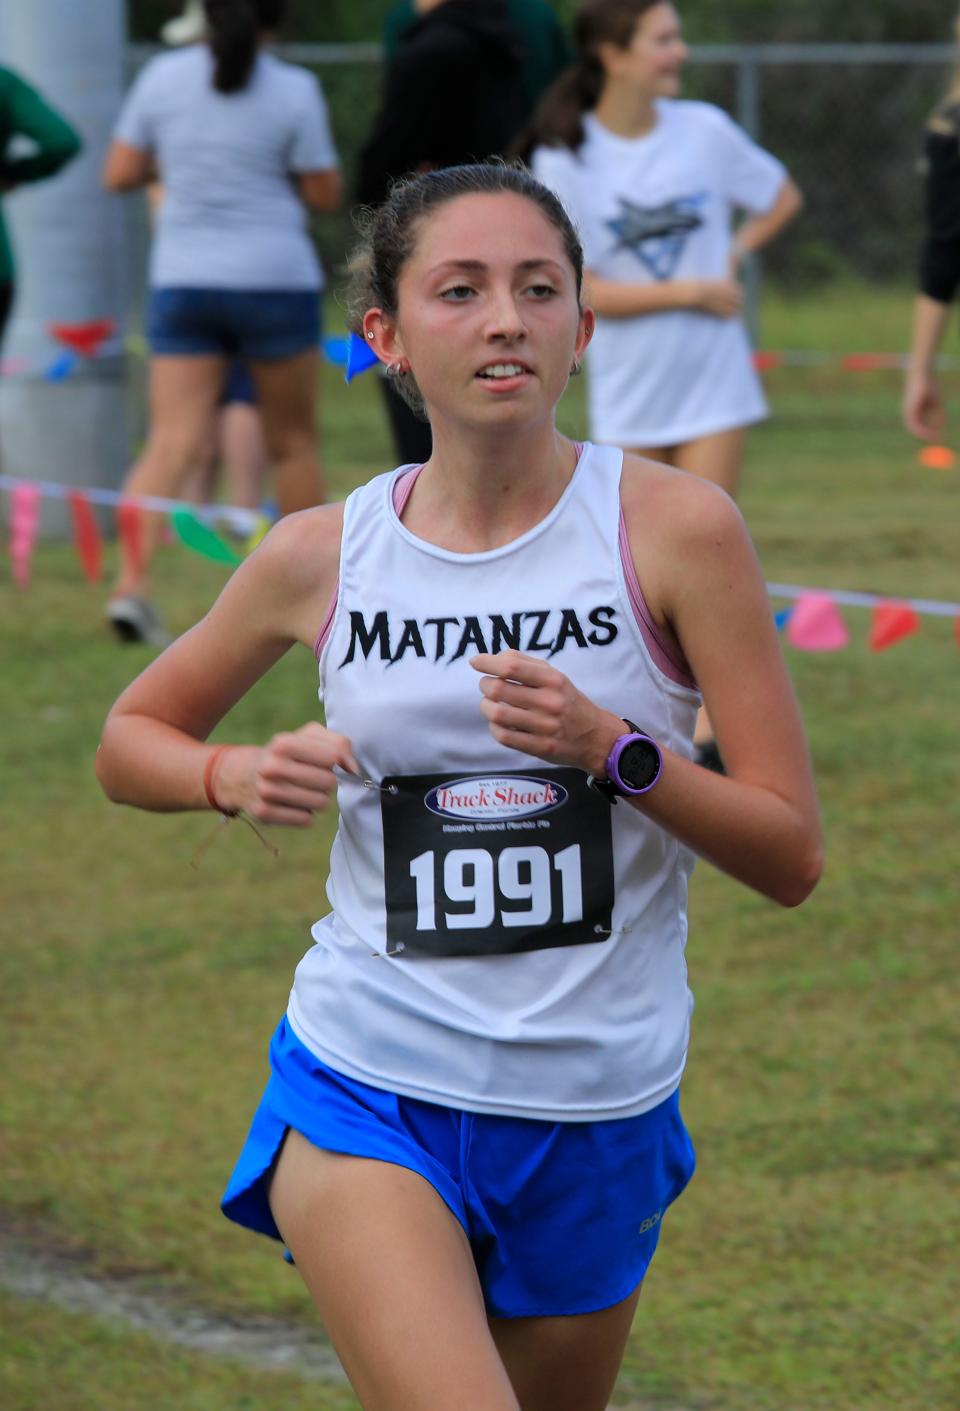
<point x="24" y="518"/>
<point x="816" y="625"/>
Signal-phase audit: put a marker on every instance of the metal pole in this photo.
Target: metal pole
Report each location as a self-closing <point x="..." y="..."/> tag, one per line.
<point x="68" y="240"/>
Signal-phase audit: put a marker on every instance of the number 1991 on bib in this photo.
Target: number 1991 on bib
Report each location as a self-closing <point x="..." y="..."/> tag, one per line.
<point x="490" y="884"/>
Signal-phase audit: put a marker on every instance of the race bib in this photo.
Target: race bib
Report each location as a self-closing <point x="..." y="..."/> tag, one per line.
<point x="494" y="864"/>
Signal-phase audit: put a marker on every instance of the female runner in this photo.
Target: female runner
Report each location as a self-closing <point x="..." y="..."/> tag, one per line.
<point x="471" y="1131"/>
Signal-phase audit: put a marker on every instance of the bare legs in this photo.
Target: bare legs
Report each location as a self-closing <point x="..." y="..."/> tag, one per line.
<point x="235" y="445"/>
<point x="244" y="452"/>
<point x="565" y="1364"/>
<point x="392" y="1275"/>
<point x="184" y="393"/>
<point x="718" y="457"/>
<point x="183" y="397"/>
<point x="287" y="394"/>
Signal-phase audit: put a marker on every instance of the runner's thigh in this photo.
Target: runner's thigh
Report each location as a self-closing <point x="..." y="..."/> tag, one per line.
<point x="565" y="1364"/>
<point x="391" y="1272"/>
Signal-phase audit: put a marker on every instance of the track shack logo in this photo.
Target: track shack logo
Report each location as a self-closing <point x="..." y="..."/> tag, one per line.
<point x="488" y="799"/>
<point x="449" y="638"/>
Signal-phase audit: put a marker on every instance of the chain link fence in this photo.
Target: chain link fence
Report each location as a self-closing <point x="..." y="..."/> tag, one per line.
<point x="846" y="119"/>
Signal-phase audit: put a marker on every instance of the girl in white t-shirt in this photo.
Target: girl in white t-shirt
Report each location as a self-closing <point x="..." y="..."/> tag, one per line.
<point x="243" y="146"/>
<point x="652" y="183"/>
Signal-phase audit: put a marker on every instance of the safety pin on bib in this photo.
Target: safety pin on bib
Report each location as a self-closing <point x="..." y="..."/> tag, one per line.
<point x="381" y="788"/>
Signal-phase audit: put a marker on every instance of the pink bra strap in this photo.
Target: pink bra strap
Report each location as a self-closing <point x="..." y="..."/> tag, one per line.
<point x="677" y="668"/>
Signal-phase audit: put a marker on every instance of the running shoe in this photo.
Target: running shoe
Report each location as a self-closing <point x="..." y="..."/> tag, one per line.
<point x="137" y="620"/>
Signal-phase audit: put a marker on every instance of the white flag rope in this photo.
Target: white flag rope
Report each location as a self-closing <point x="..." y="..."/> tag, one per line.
<point x="239" y="517"/>
<point x="865" y="600"/>
<point x="247" y="520"/>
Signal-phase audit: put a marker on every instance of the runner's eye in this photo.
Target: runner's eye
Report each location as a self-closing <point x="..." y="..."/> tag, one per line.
<point x="542" y="292"/>
<point x="457" y="293"/>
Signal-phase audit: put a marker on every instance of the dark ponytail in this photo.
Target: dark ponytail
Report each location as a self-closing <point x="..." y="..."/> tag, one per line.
<point x="558" y="121"/>
<point x="234" y="30"/>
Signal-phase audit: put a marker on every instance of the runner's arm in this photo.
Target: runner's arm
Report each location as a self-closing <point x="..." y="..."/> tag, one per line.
<point x="760" y="822"/>
<point x="153" y="752"/>
<point x="612" y="299"/>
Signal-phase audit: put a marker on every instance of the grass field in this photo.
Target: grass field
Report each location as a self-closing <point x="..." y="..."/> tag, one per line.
<point x="813" y="1263"/>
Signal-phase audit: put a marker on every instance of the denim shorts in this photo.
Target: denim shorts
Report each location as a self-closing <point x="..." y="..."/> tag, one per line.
<point x="562" y="1217"/>
<point x="256" y="324"/>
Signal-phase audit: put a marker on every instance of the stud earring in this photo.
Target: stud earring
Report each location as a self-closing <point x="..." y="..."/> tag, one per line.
<point x="575" y="370"/>
<point x="369" y="332"/>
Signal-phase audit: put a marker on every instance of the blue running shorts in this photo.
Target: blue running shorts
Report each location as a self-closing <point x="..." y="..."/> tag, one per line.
<point x="562" y="1217"/>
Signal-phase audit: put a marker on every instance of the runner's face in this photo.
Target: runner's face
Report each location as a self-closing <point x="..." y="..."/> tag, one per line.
<point x="487" y="311"/>
<point x="653" y="59"/>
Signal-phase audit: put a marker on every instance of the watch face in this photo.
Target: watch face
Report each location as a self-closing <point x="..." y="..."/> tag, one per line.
<point x="639" y="764"/>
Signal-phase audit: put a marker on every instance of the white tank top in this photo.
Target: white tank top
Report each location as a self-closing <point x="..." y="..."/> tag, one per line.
<point x="502" y="939"/>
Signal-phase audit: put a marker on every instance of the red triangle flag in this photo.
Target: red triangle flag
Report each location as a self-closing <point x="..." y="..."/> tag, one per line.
<point x="86" y="537"/>
<point x="891" y="622"/>
<point x="83" y="338"/>
<point x="763" y="362"/>
<point x="130" y="525"/>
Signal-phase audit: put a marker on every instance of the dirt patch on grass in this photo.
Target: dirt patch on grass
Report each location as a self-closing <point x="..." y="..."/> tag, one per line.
<point x="29" y="1272"/>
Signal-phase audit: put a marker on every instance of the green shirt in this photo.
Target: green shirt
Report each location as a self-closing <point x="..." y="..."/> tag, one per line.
<point x="546" y="50"/>
<point x="23" y="113"/>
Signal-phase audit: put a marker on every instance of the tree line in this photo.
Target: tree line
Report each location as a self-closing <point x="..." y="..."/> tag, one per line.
<point x="705" y="22"/>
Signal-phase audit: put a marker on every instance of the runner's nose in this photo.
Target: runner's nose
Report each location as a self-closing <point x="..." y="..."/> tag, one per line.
<point x="505" y="321"/>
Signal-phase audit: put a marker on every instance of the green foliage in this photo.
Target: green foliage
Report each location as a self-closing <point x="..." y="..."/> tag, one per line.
<point x="706" y="22"/>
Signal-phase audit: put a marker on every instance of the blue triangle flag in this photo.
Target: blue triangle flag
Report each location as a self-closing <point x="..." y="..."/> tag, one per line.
<point x="336" y="350"/>
<point x="360" y="357"/>
<point x="61" y="367"/>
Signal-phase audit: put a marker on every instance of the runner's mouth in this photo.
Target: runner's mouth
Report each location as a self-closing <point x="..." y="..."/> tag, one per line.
<point x="497" y="372"/>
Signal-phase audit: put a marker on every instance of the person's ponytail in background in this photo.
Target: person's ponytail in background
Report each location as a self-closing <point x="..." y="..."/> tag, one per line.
<point x="234" y="28"/>
<point x="558" y="121"/>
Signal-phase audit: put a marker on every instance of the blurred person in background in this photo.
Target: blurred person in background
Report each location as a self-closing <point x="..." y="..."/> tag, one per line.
<point x="35" y="142"/>
<point x="242" y="144"/>
<point x="543" y="40"/>
<point x="235" y="441"/>
<point x="652" y="183"/>
<point x="460" y="82"/>
<point x="924" y="414"/>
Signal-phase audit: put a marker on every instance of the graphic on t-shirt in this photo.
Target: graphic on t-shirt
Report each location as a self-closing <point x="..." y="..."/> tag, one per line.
<point x="657" y="234"/>
<point x="493" y="864"/>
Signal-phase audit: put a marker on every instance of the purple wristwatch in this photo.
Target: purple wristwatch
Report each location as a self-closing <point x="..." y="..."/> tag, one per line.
<point x="633" y="765"/>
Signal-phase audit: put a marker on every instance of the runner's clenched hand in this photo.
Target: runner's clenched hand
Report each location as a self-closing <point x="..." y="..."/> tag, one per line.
<point x="532" y="707"/>
<point x="287" y="780"/>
